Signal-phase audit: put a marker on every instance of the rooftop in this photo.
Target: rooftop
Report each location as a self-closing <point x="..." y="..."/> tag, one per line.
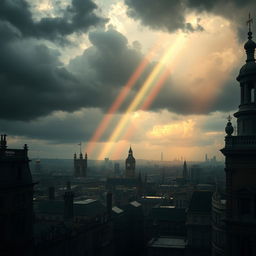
<point x="168" y="242"/>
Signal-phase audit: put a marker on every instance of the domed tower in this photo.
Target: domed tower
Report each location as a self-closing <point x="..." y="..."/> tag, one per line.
<point x="16" y="201"/>
<point x="240" y="164"/>
<point x="130" y="165"/>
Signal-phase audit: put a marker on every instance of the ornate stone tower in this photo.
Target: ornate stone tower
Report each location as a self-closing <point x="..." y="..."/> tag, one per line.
<point x="130" y="165"/>
<point x="16" y="201"/>
<point x="240" y="153"/>
<point x="80" y="165"/>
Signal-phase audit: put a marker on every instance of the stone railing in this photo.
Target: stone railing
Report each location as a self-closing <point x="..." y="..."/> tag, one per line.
<point x="240" y="141"/>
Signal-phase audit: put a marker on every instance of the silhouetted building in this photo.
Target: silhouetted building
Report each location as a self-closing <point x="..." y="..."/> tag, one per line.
<point x="195" y="174"/>
<point x="185" y="172"/>
<point x="16" y="200"/>
<point x="80" y="165"/>
<point x="117" y="169"/>
<point x="199" y="223"/>
<point x="72" y="228"/>
<point x="240" y="153"/>
<point x="130" y="165"/>
<point x="165" y="220"/>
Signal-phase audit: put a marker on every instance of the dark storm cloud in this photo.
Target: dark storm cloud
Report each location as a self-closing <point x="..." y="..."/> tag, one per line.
<point x="78" y="17"/>
<point x="170" y="14"/>
<point x="33" y="82"/>
<point x="59" y="128"/>
<point x="182" y="101"/>
<point x="162" y="14"/>
<point x="109" y="62"/>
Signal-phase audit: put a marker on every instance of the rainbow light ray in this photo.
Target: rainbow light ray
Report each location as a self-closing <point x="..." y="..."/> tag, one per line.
<point x="172" y="51"/>
<point x="121" y="97"/>
<point x="130" y="130"/>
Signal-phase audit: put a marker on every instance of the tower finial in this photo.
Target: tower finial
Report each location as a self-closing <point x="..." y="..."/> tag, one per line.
<point x="249" y="22"/>
<point x="229" y="128"/>
<point x="80" y="144"/>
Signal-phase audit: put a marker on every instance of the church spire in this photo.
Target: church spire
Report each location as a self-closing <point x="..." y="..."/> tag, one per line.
<point x="250" y="44"/>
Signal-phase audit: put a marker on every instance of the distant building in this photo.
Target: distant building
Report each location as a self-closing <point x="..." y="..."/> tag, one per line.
<point x="185" y="172"/>
<point x="80" y="165"/>
<point x="16" y="200"/>
<point x="117" y="169"/>
<point x="195" y="174"/>
<point x="130" y="165"/>
<point x="181" y="197"/>
<point x="165" y="220"/>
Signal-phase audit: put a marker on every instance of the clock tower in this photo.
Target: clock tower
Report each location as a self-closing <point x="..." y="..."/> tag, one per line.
<point x="130" y="165"/>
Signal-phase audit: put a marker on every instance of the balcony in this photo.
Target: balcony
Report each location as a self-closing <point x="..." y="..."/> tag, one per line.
<point x="240" y="142"/>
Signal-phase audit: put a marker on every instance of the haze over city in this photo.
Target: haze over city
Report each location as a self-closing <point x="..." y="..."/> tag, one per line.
<point x="156" y="75"/>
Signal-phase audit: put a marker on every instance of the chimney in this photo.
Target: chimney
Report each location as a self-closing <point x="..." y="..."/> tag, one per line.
<point x="51" y="193"/>
<point x="109" y="204"/>
<point x="68" y="205"/>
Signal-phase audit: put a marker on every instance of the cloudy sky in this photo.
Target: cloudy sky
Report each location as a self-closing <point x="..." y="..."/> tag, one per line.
<point x="156" y="75"/>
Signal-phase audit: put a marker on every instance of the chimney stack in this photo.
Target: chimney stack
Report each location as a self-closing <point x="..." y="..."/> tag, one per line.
<point x="3" y="143"/>
<point x="68" y="205"/>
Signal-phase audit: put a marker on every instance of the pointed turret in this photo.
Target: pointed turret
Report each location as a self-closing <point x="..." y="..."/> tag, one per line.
<point x="185" y="171"/>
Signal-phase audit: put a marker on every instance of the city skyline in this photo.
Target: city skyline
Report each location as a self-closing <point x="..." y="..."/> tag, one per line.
<point x="160" y="78"/>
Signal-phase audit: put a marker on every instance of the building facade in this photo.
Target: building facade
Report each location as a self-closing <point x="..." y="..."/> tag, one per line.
<point x="16" y="199"/>
<point x="240" y="164"/>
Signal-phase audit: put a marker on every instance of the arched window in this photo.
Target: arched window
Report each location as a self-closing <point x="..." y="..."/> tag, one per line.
<point x="253" y="95"/>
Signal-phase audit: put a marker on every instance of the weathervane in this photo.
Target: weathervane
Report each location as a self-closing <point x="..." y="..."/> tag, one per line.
<point x="249" y="22"/>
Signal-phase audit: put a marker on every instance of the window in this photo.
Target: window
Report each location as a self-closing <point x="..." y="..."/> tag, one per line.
<point x="253" y="95"/>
